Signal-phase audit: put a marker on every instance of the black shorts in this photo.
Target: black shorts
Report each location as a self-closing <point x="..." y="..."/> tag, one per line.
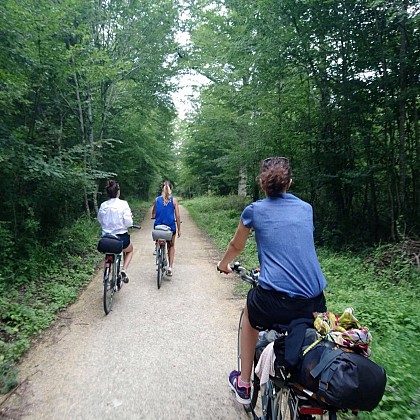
<point x="267" y="308"/>
<point x="125" y="237"/>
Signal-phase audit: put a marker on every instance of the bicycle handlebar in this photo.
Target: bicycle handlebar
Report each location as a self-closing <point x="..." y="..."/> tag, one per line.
<point x="251" y="278"/>
<point x="135" y="227"/>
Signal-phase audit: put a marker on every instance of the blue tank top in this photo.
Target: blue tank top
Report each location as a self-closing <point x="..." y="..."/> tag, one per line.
<point x="165" y="215"/>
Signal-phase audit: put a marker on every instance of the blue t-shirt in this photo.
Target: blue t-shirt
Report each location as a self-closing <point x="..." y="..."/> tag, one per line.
<point x="165" y="215"/>
<point x="284" y="228"/>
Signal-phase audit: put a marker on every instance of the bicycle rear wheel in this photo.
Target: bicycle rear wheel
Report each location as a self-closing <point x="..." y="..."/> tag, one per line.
<point x="159" y="261"/>
<point x="108" y="288"/>
<point x="283" y="405"/>
<point x="288" y="406"/>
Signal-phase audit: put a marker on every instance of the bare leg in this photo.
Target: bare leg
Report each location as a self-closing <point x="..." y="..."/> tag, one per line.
<point x="171" y="251"/>
<point x="128" y="254"/>
<point x="171" y="255"/>
<point x="249" y="338"/>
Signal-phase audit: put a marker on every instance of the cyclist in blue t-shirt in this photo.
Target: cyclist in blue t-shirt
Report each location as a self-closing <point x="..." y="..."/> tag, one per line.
<point x="291" y="282"/>
<point x="165" y="211"/>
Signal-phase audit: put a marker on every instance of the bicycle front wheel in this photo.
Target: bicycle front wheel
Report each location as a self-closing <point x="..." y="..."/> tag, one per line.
<point x="254" y="378"/>
<point x="238" y="347"/>
<point x="159" y="261"/>
<point x="108" y="289"/>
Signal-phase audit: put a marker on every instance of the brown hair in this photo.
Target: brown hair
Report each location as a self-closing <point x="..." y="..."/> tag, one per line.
<point x="275" y="175"/>
<point x="166" y="191"/>
<point x="112" y="188"/>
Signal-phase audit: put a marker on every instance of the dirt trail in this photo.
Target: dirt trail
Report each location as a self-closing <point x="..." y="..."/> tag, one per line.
<point x="160" y="354"/>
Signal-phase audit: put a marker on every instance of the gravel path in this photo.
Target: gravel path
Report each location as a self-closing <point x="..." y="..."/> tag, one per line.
<point x="160" y="354"/>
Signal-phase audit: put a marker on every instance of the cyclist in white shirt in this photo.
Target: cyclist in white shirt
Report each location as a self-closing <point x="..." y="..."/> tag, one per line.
<point x="115" y="218"/>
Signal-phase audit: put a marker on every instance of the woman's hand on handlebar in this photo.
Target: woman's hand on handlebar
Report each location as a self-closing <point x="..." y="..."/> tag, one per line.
<point x="223" y="269"/>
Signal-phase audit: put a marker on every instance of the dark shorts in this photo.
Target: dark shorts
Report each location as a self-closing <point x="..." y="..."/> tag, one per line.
<point x="267" y="308"/>
<point x="125" y="237"/>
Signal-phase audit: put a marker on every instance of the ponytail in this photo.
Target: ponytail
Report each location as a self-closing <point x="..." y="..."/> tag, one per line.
<point x="166" y="192"/>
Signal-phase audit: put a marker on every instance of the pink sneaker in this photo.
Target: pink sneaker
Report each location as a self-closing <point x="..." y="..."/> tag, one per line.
<point x="243" y="394"/>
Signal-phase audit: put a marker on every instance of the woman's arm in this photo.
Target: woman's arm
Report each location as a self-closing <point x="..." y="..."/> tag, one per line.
<point x="177" y="217"/>
<point x="154" y="209"/>
<point x="127" y="216"/>
<point x="234" y="248"/>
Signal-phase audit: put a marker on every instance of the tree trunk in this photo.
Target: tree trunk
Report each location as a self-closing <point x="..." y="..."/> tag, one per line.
<point x="402" y="119"/>
<point x="242" y="182"/>
<point x="416" y="167"/>
<point x="92" y="149"/>
<point x="82" y="136"/>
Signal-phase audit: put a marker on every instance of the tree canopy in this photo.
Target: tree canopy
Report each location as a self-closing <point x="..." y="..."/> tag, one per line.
<point x="86" y="95"/>
<point x="333" y="85"/>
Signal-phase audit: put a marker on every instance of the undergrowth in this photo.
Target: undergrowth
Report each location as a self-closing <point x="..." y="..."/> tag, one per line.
<point x="381" y="284"/>
<point x="47" y="281"/>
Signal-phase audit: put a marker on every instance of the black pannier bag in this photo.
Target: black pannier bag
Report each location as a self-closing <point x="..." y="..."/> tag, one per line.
<point x="343" y="379"/>
<point x="110" y="244"/>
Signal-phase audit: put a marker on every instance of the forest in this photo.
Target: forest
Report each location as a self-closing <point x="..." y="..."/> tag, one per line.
<point x="87" y="94"/>
<point x="333" y="85"/>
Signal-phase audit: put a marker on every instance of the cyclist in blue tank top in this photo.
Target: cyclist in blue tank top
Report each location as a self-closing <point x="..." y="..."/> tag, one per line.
<point x="165" y="211"/>
<point x="291" y="281"/>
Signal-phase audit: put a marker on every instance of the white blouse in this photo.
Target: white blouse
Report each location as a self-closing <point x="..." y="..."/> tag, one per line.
<point x="115" y="216"/>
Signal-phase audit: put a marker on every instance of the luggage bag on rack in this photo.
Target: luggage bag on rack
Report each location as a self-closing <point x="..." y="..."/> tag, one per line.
<point x="162" y="232"/>
<point x="110" y="244"/>
<point x="343" y="379"/>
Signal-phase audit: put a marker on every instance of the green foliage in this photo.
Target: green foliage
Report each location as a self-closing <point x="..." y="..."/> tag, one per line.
<point x="306" y="80"/>
<point x="392" y="313"/>
<point x="80" y="103"/>
<point x="7" y="249"/>
<point x="7" y="376"/>
<point x="73" y="240"/>
<point x="383" y="291"/>
<point x="217" y="216"/>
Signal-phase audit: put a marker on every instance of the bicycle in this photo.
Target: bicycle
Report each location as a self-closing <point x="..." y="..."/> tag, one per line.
<point x="112" y="247"/>
<point x="281" y="398"/>
<point x="161" y="234"/>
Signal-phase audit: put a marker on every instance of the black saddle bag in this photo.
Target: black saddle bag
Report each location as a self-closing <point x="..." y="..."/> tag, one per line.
<point x="343" y="379"/>
<point x="110" y="244"/>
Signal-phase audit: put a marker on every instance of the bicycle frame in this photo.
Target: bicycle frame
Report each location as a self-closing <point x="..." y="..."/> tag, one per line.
<point x="162" y="249"/>
<point x="114" y="261"/>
